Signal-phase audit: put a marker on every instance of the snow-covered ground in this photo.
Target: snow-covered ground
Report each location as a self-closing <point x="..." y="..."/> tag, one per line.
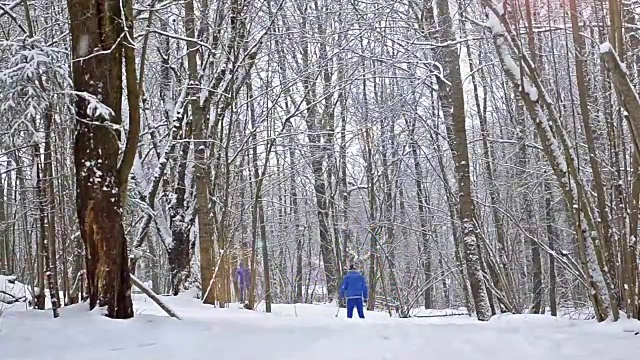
<point x="303" y="332"/>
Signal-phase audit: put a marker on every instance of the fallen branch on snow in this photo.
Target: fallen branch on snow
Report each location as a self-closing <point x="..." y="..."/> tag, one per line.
<point x="442" y="315"/>
<point x="8" y="298"/>
<point x="137" y="283"/>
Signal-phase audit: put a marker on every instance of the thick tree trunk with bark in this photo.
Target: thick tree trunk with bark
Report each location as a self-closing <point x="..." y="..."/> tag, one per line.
<point x="95" y="32"/>
<point x="178" y="252"/>
<point x="202" y="166"/>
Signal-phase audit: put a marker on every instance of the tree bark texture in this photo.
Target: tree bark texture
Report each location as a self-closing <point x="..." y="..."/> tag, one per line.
<point x="96" y="33"/>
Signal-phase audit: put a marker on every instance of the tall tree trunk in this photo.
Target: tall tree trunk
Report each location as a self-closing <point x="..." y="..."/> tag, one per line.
<point x="422" y="216"/>
<point x="133" y="97"/>
<point x="258" y="222"/>
<point x="327" y="126"/>
<point x="536" y="259"/>
<point x="551" y="238"/>
<point x="78" y="266"/>
<point x="265" y="257"/>
<point x="66" y="231"/>
<point x="373" y="228"/>
<point x="202" y="166"/>
<point x="98" y="80"/>
<point x="40" y="298"/>
<point x="451" y="96"/>
<point x="4" y="239"/>
<point x="258" y="225"/>
<point x="48" y="192"/>
<point x="344" y="185"/>
<point x="606" y="240"/>
<point x="297" y="234"/>
<point x="326" y="247"/>
<point x="630" y="263"/>
<point x="43" y="234"/>
<point x="178" y="252"/>
<point x="296" y="220"/>
<point x="317" y="158"/>
<point x="501" y="274"/>
<point x="527" y="208"/>
<point x="388" y="154"/>
<point x="455" y="231"/>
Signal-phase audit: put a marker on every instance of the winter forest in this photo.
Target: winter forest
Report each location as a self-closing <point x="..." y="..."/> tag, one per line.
<point x="479" y="156"/>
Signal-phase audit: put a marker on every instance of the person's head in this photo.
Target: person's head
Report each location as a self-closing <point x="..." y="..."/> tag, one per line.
<point x="352" y="267"/>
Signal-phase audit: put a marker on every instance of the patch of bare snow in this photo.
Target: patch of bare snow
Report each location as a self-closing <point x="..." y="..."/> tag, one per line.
<point x="304" y="331"/>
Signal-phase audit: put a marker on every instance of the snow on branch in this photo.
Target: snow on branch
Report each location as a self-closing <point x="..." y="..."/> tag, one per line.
<point x="504" y="51"/>
<point x="625" y="91"/>
<point x="31" y="76"/>
<point x="176" y="121"/>
<point x="606" y="50"/>
<point x="96" y="109"/>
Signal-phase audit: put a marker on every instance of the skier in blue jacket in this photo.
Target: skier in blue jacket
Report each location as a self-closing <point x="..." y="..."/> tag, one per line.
<point x="354" y="289"/>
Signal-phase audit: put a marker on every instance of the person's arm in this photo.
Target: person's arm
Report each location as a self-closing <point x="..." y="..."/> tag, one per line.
<point x="343" y="288"/>
<point x="365" y="290"/>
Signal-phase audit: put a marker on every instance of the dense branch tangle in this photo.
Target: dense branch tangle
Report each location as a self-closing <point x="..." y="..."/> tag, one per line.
<point x="557" y="149"/>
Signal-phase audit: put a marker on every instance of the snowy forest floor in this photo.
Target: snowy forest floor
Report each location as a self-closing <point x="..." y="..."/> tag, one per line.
<point x="309" y="332"/>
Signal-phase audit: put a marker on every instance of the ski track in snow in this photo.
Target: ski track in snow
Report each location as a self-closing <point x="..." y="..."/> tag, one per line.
<point x="315" y="334"/>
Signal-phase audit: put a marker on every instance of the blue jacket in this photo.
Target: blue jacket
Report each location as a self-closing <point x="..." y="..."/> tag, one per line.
<point x="354" y="286"/>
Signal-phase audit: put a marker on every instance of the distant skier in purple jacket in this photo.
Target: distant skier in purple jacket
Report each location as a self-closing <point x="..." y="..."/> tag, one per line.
<point x="354" y="289"/>
<point x="243" y="277"/>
